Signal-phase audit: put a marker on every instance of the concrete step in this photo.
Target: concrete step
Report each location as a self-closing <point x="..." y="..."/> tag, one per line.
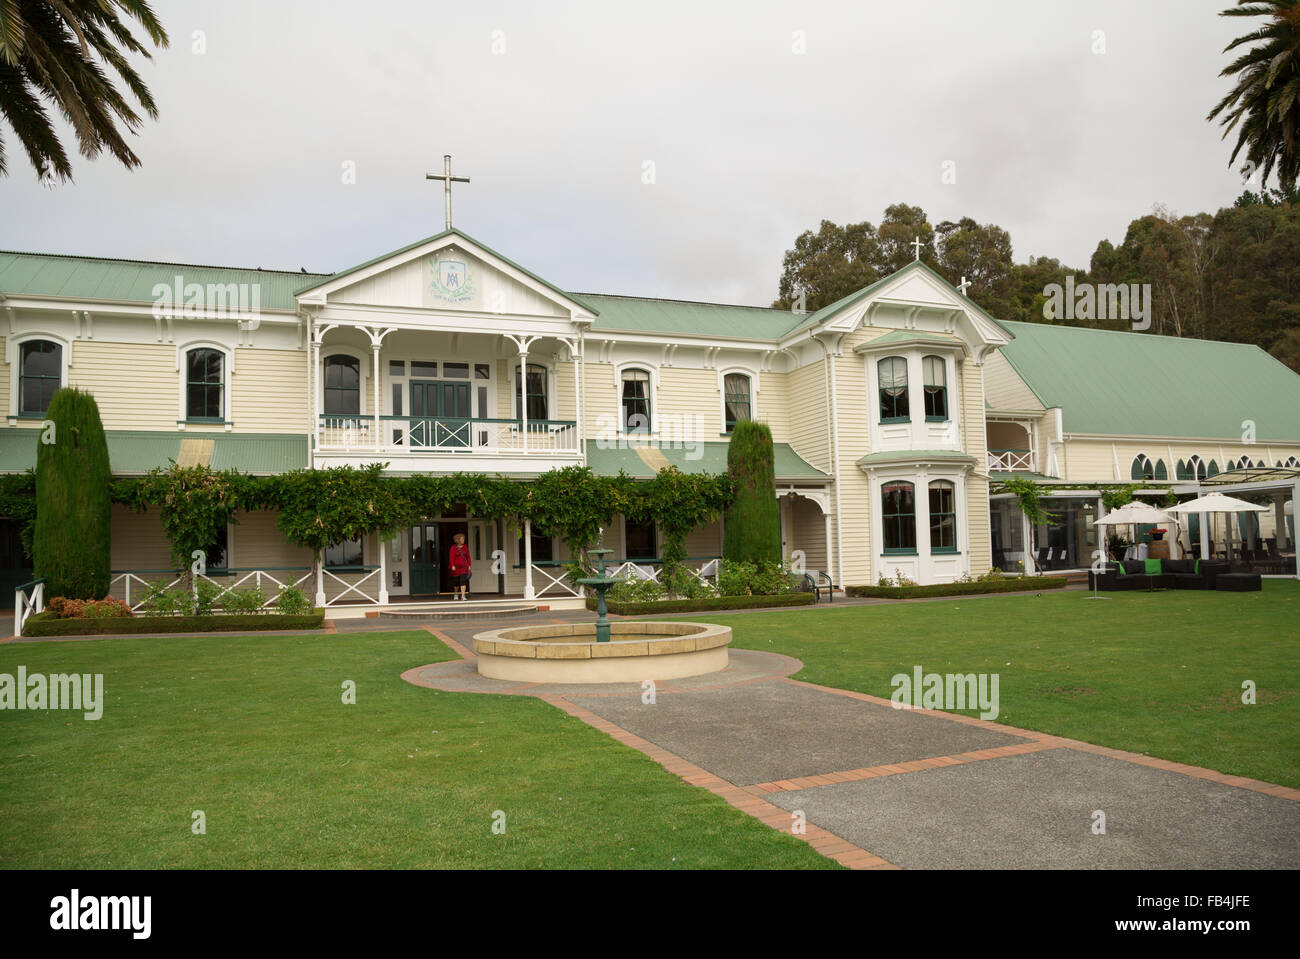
<point x="457" y="611"/>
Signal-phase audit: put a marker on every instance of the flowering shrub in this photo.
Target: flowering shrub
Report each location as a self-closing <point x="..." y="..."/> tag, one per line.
<point x="109" y="608"/>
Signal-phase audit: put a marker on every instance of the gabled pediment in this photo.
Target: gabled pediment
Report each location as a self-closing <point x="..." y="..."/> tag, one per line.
<point x="914" y="298"/>
<point x="449" y="272"/>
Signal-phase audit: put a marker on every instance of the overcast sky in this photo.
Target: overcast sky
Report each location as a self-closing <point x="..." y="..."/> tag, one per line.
<point x="555" y="109"/>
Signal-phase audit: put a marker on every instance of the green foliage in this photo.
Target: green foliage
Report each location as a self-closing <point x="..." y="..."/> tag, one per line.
<point x="680" y="502"/>
<point x="47" y="624"/>
<point x="1113" y="497"/>
<point x="292" y="601"/>
<point x="752" y="531"/>
<point x="194" y="503"/>
<point x="244" y="602"/>
<point x="162" y="600"/>
<point x="754" y="579"/>
<point x="684" y="584"/>
<point x="633" y="589"/>
<point x="70" y="543"/>
<point x="18" y="502"/>
<point x="1030" y="496"/>
<point x="983" y="585"/>
<point x="320" y="507"/>
<point x="575" y="504"/>
<point x="207" y="595"/>
<point x="1265" y="101"/>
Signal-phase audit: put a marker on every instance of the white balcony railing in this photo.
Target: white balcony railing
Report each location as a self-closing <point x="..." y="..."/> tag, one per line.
<point x="435" y="434"/>
<point x="1009" y="461"/>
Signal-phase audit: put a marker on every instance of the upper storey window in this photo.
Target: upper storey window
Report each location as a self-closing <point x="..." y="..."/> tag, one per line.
<point x="636" y="401"/>
<point x="40" y="374"/>
<point x="936" y="389"/>
<point x="204" y="385"/>
<point x="893" y="390"/>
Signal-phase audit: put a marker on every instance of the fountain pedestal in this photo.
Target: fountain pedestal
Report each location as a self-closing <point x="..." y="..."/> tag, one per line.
<point x="601" y="584"/>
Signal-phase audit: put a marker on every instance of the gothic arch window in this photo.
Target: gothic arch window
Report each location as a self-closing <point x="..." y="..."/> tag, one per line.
<point x="1142" y="468"/>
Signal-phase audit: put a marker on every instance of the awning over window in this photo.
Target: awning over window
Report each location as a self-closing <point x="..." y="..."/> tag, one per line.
<point x="134" y="452"/>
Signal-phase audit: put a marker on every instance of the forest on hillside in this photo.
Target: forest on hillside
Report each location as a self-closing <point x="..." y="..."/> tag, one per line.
<point x="1232" y="275"/>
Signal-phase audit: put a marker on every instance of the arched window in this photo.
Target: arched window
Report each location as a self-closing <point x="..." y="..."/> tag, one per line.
<point x="1142" y="468"/>
<point x="1196" y="468"/>
<point x="1213" y="470"/>
<point x="898" y="517"/>
<point x="535" y="388"/>
<point x="636" y="401"/>
<point x="936" y="389"/>
<point x="1292" y="462"/>
<point x="736" y="400"/>
<point x="40" y="374"/>
<point x="342" y="384"/>
<point x="893" y="390"/>
<point x="1242" y="464"/>
<point x="205" y="381"/>
<point x="1162" y="472"/>
<point x="943" y="517"/>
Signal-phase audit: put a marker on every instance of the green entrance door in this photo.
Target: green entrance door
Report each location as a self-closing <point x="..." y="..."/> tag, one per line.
<point x="424" y="560"/>
<point x="440" y="414"/>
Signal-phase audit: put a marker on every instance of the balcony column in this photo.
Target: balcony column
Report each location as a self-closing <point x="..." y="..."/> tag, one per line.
<point x="374" y="410"/>
<point x="523" y="413"/>
<point x="830" y="571"/>
<point x="528" y="560"/>
<point x="383" y="569"/>
<point x="320" y="578"/>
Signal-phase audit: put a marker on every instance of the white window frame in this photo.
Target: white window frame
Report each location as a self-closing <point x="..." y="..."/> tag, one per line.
<point x="227" y="379"/>
<point x="549" y="366"/>
<point x="722" y="393"/>
<point x="366" y="359"/>
<point x="14" y="355"/>
<point x="653" y="370"/>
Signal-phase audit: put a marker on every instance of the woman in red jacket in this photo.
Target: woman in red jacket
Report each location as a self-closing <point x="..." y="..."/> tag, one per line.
<point x="458" y="563"/>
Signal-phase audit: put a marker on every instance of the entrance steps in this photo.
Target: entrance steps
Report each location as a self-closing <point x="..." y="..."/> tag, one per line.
<point x="444" y="613"/>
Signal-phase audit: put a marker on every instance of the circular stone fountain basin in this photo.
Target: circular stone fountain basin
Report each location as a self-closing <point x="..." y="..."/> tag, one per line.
<point x="569" y="653"/>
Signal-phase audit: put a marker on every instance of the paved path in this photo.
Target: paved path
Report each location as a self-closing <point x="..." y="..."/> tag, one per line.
<point x="881" y="787"/>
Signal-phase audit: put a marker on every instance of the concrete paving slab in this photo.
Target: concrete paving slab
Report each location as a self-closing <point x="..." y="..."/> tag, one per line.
<point x="1035" y="811"/>
<point x="767" y="731"/>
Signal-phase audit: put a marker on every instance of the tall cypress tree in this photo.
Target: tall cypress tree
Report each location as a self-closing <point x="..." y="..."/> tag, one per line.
<point x="70" y="542"/>
<point x="752" y="531"/>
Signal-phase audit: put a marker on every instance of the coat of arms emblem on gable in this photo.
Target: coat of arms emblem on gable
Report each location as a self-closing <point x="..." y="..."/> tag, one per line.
<point x="450" y="280"/>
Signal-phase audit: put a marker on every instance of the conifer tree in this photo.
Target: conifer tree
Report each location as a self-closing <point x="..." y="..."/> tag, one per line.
<point x="752" y="531"/>
<point x="70" y="542"/>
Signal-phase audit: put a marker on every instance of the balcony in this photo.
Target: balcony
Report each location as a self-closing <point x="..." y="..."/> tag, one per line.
<point x="1011" y="461"/>
<point x="349" y="436"/>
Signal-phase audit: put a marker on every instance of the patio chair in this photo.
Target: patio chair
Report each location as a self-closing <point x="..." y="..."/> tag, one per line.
<point x="642" y="572"/>
<point x="817" y="582"/>
<point x="709" y="570"/>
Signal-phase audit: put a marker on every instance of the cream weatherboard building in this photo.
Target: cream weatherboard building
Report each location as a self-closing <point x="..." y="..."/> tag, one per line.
<point x="896" y="411"/>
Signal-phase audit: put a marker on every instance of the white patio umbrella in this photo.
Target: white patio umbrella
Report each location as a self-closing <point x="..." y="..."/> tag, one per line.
<point x="1217" y="503"/>
<point x="1134" y="513"/>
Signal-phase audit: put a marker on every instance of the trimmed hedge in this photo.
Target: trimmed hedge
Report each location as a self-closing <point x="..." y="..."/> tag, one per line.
<point x="1016" y="584"/>
<point x="47" y="624"/>
<point x="705" y="605"/>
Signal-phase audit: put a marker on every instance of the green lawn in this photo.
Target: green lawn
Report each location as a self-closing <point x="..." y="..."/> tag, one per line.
<point x="1158" y="673"/>
<point x="252" y="731"/>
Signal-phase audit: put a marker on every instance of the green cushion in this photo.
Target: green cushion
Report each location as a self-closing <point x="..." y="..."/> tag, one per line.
<point x="1153" y="567"/>
<point x="1197" y="568"/>
<point x="1119" y="568"/>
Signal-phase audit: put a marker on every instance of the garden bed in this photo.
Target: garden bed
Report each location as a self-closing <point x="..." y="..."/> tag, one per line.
<point x="48" y="624"/>
<point x="1012" y="585"/>
<point x="708" y="604"/>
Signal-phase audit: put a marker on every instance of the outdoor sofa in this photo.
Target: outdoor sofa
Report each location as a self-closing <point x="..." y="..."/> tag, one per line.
<point x="1159" y="574"/>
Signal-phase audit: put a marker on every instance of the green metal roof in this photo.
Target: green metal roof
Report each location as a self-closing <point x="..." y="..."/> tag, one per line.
<point x="641" y="314"/>
<point x="132" y="452"/>
<point x="707" y="458"/>
<point x="1141" y="384"/>
<point x="96" y="278"/>
<point x="915" y="456"/>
